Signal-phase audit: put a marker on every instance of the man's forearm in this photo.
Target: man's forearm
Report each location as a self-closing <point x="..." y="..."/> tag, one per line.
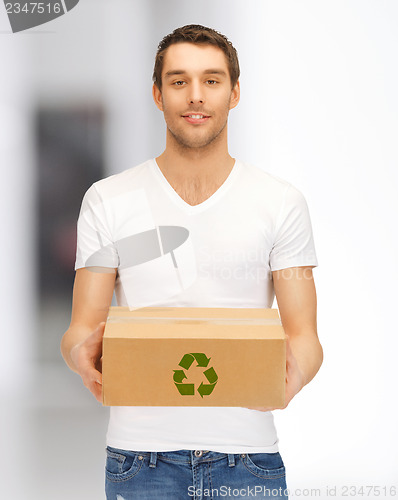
<point x="308" y="352"/>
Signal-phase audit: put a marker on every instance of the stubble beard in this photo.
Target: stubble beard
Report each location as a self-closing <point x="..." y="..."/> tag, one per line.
<point x="186" y="142"/>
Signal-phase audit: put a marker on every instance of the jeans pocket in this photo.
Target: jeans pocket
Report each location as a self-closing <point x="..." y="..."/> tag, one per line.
<point x="265" y="465"/>
<point x="122" y="465"/>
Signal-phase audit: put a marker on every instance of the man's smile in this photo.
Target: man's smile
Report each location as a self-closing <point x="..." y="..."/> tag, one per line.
<point x="196" y="117"/>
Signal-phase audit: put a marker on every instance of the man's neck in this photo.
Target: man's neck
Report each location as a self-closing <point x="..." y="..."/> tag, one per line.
<point x="202" y="165"/>
<point x="203" y="169"/>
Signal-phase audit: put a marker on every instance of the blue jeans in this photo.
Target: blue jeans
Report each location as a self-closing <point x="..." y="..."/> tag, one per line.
<point x="193" y="474"/>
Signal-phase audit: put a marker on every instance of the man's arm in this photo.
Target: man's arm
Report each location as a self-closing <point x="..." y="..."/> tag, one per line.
<point x="81" y="345"/>
<point x="296" y="297"/>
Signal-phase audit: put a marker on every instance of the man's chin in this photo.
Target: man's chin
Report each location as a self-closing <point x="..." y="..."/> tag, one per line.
<point x="193" y="143"/>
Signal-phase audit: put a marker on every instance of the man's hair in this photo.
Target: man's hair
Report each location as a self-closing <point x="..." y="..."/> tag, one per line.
<point x="195" y="33"/>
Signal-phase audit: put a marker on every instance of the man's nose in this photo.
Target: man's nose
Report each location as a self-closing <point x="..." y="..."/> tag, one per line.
<point x="196" y="94"/>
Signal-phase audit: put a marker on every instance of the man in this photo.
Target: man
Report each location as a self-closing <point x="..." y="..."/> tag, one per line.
<point x="250" y="236"/>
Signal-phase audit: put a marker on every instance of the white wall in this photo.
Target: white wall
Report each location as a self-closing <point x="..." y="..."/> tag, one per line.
<point x="17" y="203"/>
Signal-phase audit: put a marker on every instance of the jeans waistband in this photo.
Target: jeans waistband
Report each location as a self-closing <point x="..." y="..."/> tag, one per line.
<point x="185" y="456"/>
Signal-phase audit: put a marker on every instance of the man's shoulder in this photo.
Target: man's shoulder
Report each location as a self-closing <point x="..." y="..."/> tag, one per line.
<point x="122" y="181"/>
<point x="263" y="178"/>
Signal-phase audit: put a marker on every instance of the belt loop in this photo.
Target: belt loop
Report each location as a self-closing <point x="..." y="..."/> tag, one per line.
<point x="231" y="460"/>
<point x="152" y="461"/>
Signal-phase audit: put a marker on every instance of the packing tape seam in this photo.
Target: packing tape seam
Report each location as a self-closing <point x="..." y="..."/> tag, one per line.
<point x="217" y="321"/>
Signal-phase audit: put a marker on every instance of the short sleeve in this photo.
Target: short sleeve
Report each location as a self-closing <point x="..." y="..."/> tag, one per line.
<point x="94" y="241"/>
<point x="293" y="241"/>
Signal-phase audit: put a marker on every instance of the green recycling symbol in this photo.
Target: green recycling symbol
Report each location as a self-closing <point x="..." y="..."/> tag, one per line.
<point x="210" y="374"/>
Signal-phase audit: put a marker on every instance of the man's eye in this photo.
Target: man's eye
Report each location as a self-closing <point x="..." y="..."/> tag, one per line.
<point x="212" y="81"/>
<point x="178" y="83"/>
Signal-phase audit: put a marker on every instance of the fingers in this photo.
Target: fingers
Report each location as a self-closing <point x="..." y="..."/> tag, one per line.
<point x="91" y="376"/>
<point x="92" y="380"/>
<point x="96" y="390"/>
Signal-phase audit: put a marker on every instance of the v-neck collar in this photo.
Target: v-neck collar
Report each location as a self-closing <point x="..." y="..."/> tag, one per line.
<point x="205" y="204"/>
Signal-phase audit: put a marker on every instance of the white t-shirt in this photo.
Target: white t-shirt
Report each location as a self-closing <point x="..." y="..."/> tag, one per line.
<point x="220" y="253"/>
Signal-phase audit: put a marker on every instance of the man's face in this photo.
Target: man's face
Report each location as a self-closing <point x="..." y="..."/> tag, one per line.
<point x="196" y="94"/>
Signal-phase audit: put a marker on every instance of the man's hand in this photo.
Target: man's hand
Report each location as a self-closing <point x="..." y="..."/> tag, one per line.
<point x="87" y="358"/>
<point x="294" y="379"/>
<point x="81" y="345"/>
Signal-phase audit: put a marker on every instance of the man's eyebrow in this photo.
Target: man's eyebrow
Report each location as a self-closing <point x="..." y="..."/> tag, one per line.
<point x="211" y="71"/>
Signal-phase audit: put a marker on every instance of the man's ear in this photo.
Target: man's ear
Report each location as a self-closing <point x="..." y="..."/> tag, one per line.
<point x="157" y="97"/>
<point x="235" y="96"/>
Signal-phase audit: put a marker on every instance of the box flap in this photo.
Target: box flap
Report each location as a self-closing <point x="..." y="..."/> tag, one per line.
<point x="193" y="330"/>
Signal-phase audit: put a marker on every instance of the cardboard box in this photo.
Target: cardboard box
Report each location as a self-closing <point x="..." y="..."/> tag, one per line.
<point x="178" y="356"/>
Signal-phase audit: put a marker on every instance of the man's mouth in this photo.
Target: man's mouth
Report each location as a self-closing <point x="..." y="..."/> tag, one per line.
<point x="196" y="118"/>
